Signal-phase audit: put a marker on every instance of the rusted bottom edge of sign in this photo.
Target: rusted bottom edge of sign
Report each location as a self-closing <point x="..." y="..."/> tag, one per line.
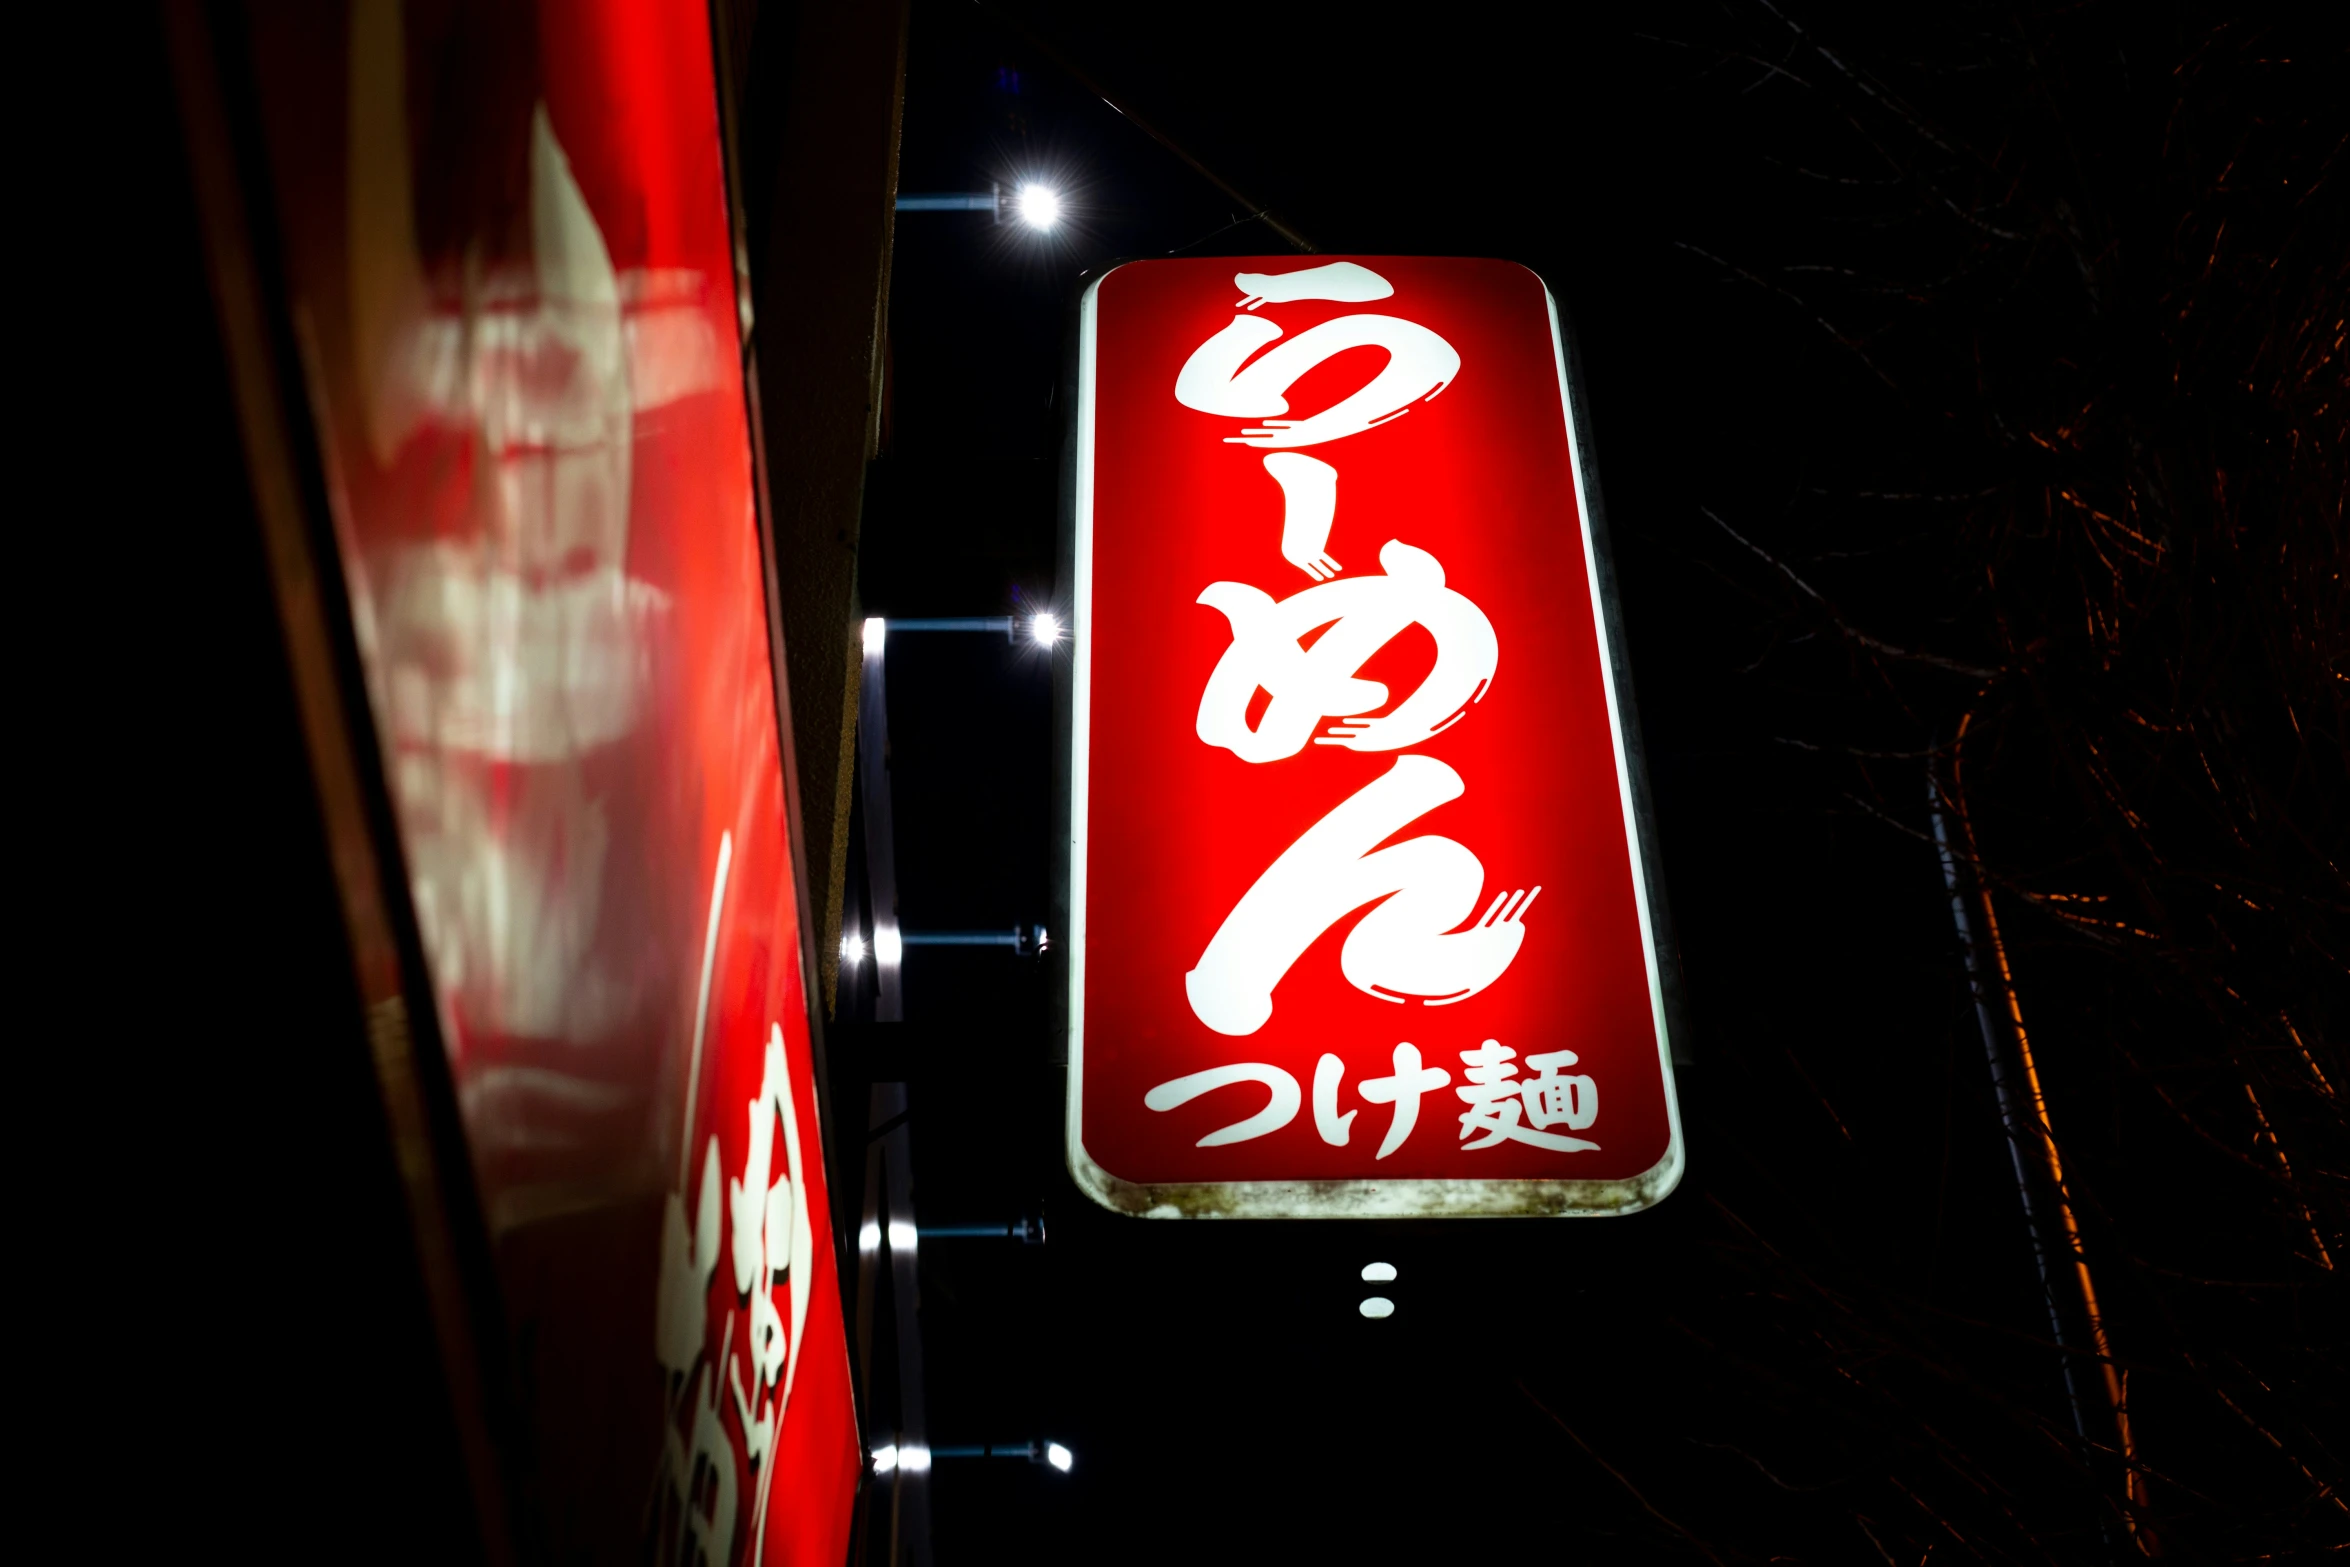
<point x="1398" y="1199"/>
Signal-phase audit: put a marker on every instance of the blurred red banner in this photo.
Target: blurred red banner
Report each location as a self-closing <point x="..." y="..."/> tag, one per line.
<point x="513" y="278"/>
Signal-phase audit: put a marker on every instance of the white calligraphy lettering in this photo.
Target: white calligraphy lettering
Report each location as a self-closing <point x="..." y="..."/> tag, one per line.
<point x="771" y="1244"/>
<point x="1497" y="1099"/>
<point x="1345" y="281"/>
<point x="1279" y="1111"/>
<point x="1309" y="502"/>
<point x="1306" y="653"/>
<point x="1220" y="378"/>
<point x="1405" y="949"/>
<point x="1308" y="685"/>
<point x="1403" y="1090"/>
<point x="1329" y="1072"/>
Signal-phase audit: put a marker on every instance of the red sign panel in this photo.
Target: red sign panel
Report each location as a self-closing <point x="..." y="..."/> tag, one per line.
<point x="514" y="279"/>
<point x="1359" y="906"/>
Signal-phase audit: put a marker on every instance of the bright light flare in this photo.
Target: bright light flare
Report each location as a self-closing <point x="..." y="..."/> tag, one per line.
<point x="1046" y="629"/>
<point x="1376" y="1307"/>
<point x="1040" y="206"/>
<point x="852" y="950"/>
<point x="903" y="1236"/>
<point x="869" y="1239"/>
<point x="876" y="633"/>
<point x="1379" y="1273"/>
<point x="1058" y="1456"/>
<point x="889" y="948"/>
<point x="884" y="1459"/>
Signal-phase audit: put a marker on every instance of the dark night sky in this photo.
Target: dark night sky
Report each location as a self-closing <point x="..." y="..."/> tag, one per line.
<point x="1221" y="1392"/>
<point x="2097" y="274"/>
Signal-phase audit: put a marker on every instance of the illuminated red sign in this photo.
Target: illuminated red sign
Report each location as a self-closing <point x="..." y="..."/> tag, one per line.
<point x="1359" y="905"/>
<point x="530" y="393"/>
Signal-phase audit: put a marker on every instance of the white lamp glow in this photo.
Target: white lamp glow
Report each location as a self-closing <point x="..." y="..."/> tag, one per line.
<point x="888" y="946"/>
<point x="884" y="1460"/>
<point x="1376" y="1307"/>
<point x="852" y="952"/>
<point x="1046" y="629"/>
<point x="1040" y="206"/>
<point x="1058" y="1456"/>
<point x="1378" y="1273"/>
<point x="876" y="632"/>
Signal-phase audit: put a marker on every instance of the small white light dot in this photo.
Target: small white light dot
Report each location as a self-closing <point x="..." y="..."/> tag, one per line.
<point x="902" y="1236"/>
<point x="1379" y="1273"/>
<point x="884" y="1460"/>
<point x="1058" y="1456"/>
<point x="888" y="946"/>
<point x="1040" y="206"/>
<point x="869" y="1239"/>
<point x="852" y="950"/>
<point x="1376" y="1307"/>
<point x="876" y="632"/>
<point x="1046" y="629"/>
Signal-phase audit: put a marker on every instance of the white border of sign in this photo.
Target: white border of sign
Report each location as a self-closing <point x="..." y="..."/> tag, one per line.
<point x="1353" y="1199"/>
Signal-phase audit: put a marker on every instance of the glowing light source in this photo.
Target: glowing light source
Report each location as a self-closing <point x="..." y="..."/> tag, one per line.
<point x="1040" y="206"/>
<point x="913" y="1458"/>
<point x="884" y="1460"/>
<point x="869" y="1238"/>
<point x="1058" y="1456"/>
<point x="876" y="632"/>
<point x="1378" y="1272"/>
<point x="1376" y="1307"/>
<point x="852" y="950"/>
<point x="888" y="946"/>
<point x="1046" y="629"/>
<point x="902" y="1236"/>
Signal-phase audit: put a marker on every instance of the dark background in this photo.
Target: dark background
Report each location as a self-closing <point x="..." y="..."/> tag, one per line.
<point x="1782" y="240"/>
<point x="1881" y="309"/>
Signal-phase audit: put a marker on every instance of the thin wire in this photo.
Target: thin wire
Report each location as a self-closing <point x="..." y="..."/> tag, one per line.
<point x="1257" y="210"/>
<point x="1253" y="217"/>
